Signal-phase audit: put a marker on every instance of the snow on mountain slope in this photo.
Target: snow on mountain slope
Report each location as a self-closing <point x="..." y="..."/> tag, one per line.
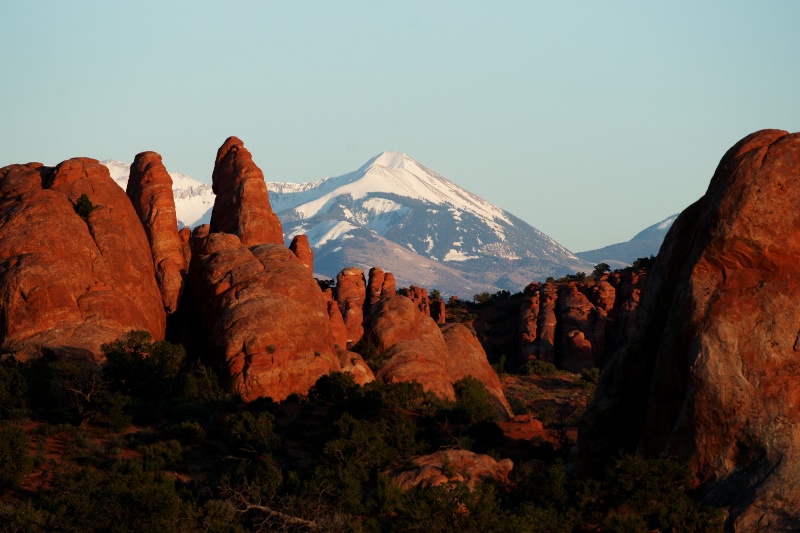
<point x="392" y="173"/>
<point x="395" y="198"/>
<point x="193" y="199"/>
<point x="644" y="244"/>
<point x="397" y="214"/>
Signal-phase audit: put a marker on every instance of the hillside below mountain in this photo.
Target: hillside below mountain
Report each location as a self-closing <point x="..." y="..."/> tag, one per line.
<point x="644" y="244"/>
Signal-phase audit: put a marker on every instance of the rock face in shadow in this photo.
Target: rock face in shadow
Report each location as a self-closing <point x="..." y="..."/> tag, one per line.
<point x="266" y="317"/>
<point x="242" y="205"/>
<point x="713" y="374"/>
<point x="150" y="191"/>
<point x="67" y="283"/>
<point x="415" y="349"/>
<point x="350" y="295"/>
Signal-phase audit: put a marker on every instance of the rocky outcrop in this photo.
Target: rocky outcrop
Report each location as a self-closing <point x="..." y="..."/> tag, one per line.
<point x="711" y="376"/>
<point x="185" y="235"/>
<point x="338" y="329"/>
<point x="415" y="349"/>
<point x="466" y="357"/>
<point x="350" y="295"/>
<point x="72" y="281"/>
<point x="374" y="287"/>
<point x="302" y="250"/>
<point x="266" y="317"/>
<point x="353" y="364"/>
<point x="452" y="466"/>
<point x="419" y="296"/>
<point x="389" y="288"/>
<point x="242" y="205"/>
<point x="577" y="317"/>
<point x="579" y="324"/>
<point x="150" y="191"/>
<point x="412" y="344"/>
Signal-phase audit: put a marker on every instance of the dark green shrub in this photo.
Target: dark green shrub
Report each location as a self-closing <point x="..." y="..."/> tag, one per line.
<point x="137" y="366"/>
<point x="163" y="455"/>
<point x="537" y="367"/>
<point x="253" y="432"/>
<point x="13" y="390"/>
<point x="15" y="461"/>
<point x="333" y="388"/>
<point x="84" y="206"/>
<point x="473" y="402"/>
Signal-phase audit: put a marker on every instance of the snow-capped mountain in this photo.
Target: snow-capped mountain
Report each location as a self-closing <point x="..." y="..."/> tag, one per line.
<point x="393" y="203"/>
<point x="193" y="199"/>
<point x="644" y="244"/>
<point x="395" y="213"/>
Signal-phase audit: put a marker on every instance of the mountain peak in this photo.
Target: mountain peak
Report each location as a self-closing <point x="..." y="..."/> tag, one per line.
<point x="391" y="160"/>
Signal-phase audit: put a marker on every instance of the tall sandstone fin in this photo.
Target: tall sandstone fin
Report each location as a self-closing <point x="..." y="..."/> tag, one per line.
<point x="242" y="205"/>
<point x="150" y="191"/>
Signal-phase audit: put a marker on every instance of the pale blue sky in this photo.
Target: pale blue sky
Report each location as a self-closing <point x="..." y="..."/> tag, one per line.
<point x="589" y="120"/>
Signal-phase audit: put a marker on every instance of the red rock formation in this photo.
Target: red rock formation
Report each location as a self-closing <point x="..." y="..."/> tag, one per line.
<point x="302" y="250"/>
<point x="352" y="363"/>
<point x="150" y="192"/>
<point x="69" y="284"/>
<point x="577" y="325"/>
<point x="242" y="205"/>
<point x="185" y="235"/>
<point x="578" y="318"/>
<point x="374" y="288"/>
<point x="452" y="466"/>
<point x="338" y="329"/>
<point x="602" y="293"/>
<point x="419" y="296"/>
<point x="351" y="292"/>
<point x="711" y="376"/>
<point x="438" y="311"/>
<point x="466" y="357"/>
<point x="416" y="349"/>
<point x="266" y="317"/>
<point x="389" y="288"/>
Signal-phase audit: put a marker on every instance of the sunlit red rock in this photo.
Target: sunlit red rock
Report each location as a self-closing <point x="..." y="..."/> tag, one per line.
<point x="302" y="250"/>
<point x="242" y="205"/>
<point x="266" y="317"/>
<point x="351" y="293"/>
<point x="69" y="284"/>
<point x="150" y="191"/>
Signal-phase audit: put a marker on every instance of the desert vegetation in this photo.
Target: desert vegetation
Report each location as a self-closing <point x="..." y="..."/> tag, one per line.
<point x="150" y="441"/>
